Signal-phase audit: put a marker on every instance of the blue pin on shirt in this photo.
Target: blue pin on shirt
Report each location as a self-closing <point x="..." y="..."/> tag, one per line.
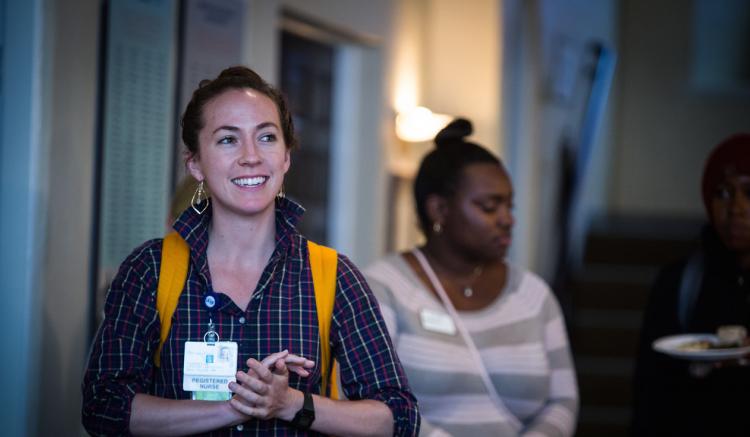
<point x="210" y="300"/>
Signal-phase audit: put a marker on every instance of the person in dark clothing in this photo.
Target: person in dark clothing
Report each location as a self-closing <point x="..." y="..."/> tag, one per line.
<point x="698" y="295"/>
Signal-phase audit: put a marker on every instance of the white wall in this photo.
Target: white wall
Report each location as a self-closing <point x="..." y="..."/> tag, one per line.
<point x="357" y="190"/>
<point x="666" y="126"/>
<point x="363" y="17"/>
<point x="368" y="19"/>
<point x="446" y="56"/>
<point x="535" y="129"/>
<point x="580" y="22"/>
<point x="462" y="64"/>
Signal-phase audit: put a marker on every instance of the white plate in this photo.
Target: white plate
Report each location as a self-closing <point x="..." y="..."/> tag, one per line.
<point x="671" y="346"/>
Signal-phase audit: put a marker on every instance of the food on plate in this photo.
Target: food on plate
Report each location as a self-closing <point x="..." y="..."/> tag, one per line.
<point x="728" y="336"/>
<point x="696" y="345"/>
<point x="731" y="335"/>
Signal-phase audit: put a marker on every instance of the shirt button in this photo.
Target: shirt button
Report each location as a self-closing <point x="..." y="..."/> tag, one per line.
<point x="240" y="427"/>
<point x="242" y="320"/>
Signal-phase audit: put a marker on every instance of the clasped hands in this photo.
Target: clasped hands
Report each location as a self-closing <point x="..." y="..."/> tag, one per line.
<point x="263" y="391"/>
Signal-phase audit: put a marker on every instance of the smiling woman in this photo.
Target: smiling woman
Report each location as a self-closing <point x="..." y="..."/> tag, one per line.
<point x="242" y="155"/>
<point x="249" y="288"/>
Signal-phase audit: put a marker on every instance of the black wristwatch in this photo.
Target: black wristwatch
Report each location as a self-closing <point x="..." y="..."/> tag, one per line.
<point x="306" y="415"/>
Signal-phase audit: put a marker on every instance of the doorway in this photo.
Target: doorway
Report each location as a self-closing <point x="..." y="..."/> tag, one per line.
<point x="307" y="78"/>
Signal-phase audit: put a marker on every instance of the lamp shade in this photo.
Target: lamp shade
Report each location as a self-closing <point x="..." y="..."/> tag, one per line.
<point x="419" y="124"/>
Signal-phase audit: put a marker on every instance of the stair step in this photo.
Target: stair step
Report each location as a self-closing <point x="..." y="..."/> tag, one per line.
<point x="607" y="391"/>
<point x="604" y="341"/>
<point x="607" y="318"/>
<point x="605" y="415"/>
<point x="609" y="295"/>
<point x="630" y="274"/>
<point x="594" y="421"/>
<point x="604" y="366"/>
<point x="649" y="226"/>
<point x="634" y="240"/>
<point x="625" y="250"/>
<point x="605" y="381"/>
<point x="606" y="301"/>
<point x="599" y="429"/>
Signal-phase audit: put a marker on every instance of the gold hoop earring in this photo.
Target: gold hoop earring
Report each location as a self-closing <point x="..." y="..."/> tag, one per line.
<point x="437" y="228"/>
<point x="281" y="193"/>
<point x="198" y="197"/>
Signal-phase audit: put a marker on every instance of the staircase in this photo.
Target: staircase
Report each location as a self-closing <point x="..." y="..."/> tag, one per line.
<point x="608" y="295"/>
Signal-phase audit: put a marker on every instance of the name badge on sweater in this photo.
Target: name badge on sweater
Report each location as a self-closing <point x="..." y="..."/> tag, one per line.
<point x="437" y="321"/>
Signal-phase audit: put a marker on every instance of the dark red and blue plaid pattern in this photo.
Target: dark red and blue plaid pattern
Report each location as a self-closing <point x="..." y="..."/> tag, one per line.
<point x="281" y="315"/>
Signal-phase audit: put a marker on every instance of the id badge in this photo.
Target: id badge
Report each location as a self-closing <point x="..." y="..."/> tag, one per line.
<point x="209" y="368"/>
<point x="437" y="321"/>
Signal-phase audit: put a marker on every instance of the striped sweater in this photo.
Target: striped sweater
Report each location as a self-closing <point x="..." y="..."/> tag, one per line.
<point x="521" y="338"/>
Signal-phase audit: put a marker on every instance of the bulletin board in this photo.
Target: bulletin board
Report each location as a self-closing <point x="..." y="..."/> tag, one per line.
<point x="154" y="54"/>
<point x="212" y="41"/>
<point x="137" y="119"/>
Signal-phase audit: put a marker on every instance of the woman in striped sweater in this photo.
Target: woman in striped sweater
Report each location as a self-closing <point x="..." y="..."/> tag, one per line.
<point x="482" y="341"/>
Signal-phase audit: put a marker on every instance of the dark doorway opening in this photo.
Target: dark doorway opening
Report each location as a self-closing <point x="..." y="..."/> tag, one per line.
<point x="307" y="75"/>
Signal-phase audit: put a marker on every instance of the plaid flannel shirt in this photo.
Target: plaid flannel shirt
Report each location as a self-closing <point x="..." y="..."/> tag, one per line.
<point x="281" y="315"/>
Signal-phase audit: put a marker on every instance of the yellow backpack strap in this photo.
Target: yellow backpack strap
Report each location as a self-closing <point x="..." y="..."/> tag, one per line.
<point x="323" y="262"/>
<point x="175" y="256"/>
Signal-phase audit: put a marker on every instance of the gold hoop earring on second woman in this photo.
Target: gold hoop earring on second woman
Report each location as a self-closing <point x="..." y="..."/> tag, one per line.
<point x="198" y="197"/>
<point x="437" y="228"/>
<point x="281" y="194"/>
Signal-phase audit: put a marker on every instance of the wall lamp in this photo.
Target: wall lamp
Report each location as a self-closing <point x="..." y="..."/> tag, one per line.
<point x="419" y="124"/>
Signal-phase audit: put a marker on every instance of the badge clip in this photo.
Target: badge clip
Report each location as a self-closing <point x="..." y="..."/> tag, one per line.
<point x="211" y="336"/>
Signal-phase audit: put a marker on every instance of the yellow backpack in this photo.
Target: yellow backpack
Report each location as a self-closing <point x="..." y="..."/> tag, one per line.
<point x="175" y="258"/>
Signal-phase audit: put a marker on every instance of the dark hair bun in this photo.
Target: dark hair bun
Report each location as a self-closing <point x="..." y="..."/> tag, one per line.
<point x="237" y="71"/>
<point x="233" y="75"/>
<point x="454" y="133"/>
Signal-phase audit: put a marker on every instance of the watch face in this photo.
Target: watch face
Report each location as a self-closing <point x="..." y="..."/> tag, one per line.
<point x="305" y="419"/>
<point x="306" y="415"/>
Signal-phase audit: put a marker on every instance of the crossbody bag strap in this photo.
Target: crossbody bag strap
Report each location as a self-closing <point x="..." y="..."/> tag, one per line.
<point x="175" y="256"/>
<point x="467" y="338"/>
<point x="323" y="262"/>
